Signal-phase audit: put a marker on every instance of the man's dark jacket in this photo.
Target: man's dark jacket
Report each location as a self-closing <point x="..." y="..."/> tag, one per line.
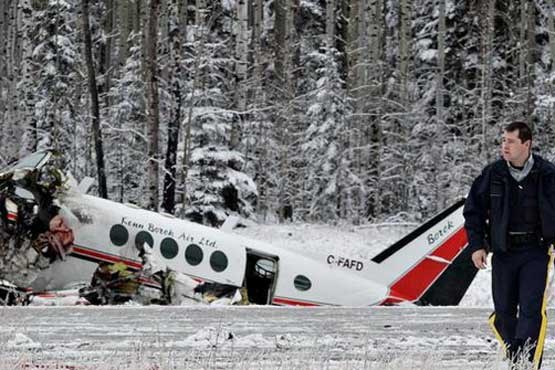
<point x="486" y="210"/>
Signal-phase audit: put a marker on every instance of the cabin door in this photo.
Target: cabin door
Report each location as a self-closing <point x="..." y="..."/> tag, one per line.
<point x="260" y="276"/>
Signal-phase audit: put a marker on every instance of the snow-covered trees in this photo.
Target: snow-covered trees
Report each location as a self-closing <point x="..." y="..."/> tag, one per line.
<point x="95" y="108"/>
<point x="126" y="152"/>
<point x="327" y="176"/>
<point x="56" y="54"/>
<point x="152" y="111"/>
<point x="284" y="109"/>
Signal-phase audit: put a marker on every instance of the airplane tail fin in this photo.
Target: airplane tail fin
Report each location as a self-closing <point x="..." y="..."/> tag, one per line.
<point x="451" y="286"/>
<point x="431" y="265"/>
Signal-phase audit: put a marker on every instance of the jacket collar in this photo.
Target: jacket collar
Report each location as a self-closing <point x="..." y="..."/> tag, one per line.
<point x="520" y="174"/>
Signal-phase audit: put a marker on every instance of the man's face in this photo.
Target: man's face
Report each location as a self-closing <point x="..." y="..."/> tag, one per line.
<point x="513" y="149"/>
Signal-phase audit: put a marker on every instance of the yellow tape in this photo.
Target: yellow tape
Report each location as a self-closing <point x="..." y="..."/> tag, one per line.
<point x="543" y="329"/>
<point x="491" y="322"/>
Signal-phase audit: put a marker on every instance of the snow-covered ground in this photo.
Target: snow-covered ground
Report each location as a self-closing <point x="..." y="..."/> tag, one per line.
<point x="255" y="337"/>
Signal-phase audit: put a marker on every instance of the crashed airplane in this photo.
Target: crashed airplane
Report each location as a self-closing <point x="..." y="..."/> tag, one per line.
<point x="48" y="225"/>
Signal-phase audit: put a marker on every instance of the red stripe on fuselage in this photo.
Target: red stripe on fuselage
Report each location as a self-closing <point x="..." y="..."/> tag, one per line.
<point x="90" y="254"/>
<point x="416" y="281"/>
<point x="105" y="257"/>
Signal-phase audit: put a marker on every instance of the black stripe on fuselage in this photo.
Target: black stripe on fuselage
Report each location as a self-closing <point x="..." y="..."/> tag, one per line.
<point x="385" y="254"/>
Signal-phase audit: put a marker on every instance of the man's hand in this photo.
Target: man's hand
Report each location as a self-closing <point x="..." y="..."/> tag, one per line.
<point x="480" y="258"/>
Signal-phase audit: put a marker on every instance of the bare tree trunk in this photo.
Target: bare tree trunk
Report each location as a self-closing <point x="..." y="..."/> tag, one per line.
<point x="360" y="137"/>
<point x="5" y="79"/>
<point x="3" y="73"/>
<point x="164" y="43"/>
<point x="201" y="36"/>
<point x="174" y="123"/>
<point x="524" y="5"/>
<point x="77" y="139"/>
<point x="285" y="201"/>
<point x="183" y="9"/>
<point x="164" y="17"/>
<point x="9" y="130"/>
<point x="404" y="52"/>
<point x="353" y="50"/>
<point x="26" y="88"/>
<point x="200" y="11"/>
<point x="124" y="30"/>
<point x="137" y="15"/>
<point x="374" y="77"/>
<point x="95" y="111"/>
<point x="152" y="114"/>
<point x="530" y="62"/>
<point x="258" y="97"/>
<point x="107" y="50"/>
<point x="440" y="105"/>
<point x="488" y="30"/>
<point x="4" y="26"/>
<point x="284" y="51"/>
<point x="280" y="126"/>
<point x="257" y="50"/>
<point x="551" y="26"/>
<point x="241" y="55"/>
<point x="143" y="24"/>
<point x="375" y="39"/>
<point x="330" y="24"/>
<point x="350" y="138"/>
<point x="551" y="29"/>
<point x="280" y="37"/>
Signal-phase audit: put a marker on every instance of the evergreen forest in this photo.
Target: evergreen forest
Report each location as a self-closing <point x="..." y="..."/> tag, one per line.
<point x="276" y="110"/>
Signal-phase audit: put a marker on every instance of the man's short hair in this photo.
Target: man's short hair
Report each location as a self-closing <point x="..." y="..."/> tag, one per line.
<point x="524" y="132"/>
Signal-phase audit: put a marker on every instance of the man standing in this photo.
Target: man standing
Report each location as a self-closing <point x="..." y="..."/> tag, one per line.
<point x="510" y="211"/>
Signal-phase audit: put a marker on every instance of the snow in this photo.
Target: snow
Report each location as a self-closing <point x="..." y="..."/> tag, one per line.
<point x="429" y="55"/>
<point x="479" y="292"/>
<point x="21" y="341"/>
<point x="256" y="337"/>
<point x="312" y="7"/>
<point x="228" y="5"/>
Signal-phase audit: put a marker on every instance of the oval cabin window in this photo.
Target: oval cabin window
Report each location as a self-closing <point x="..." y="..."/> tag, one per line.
<point x="169" y="248"/>
<point x="193" y="255"/>
<point x="218" y="261"/>
<point x="142" y="238"/>
<point x="119" y="235"/>
<point x="302" y="283"/>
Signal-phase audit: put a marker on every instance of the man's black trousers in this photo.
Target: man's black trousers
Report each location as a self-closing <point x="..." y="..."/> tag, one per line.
<point x="519" y="279"/>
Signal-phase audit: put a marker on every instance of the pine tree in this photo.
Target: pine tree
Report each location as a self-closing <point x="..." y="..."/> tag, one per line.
<point x="56" y="54"/>
<point x="327" y="109"/>
<point x="125" y="136"/>
<point x="215" y="183"/>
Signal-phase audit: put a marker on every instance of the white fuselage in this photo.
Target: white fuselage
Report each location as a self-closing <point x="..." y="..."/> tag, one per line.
<point x="106" y="230"/>
<point x="110" y="231"/>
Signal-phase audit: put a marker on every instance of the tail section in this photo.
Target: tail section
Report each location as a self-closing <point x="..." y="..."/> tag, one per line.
<point x="428" y="266"/>
<point x="450" y="287"/>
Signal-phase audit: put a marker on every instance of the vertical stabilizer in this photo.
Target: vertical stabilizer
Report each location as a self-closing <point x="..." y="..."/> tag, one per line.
<point x="429" y="265"/>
